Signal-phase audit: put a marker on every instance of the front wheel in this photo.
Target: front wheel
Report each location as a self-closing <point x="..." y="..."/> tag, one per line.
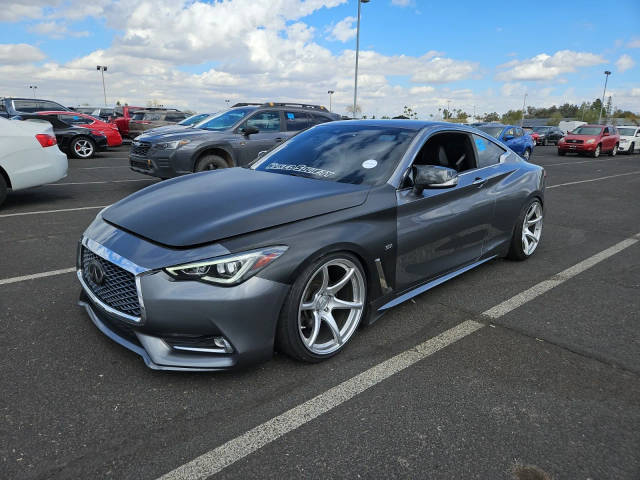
<point x="82" y="147"/>
<point x="596" y="152"/>
<point x="527" y="154"/>
<point x="210" y="162"/>
<point x="614" y="151"/>
<point x="323" y="309"/>
<point x="527" y="232"/>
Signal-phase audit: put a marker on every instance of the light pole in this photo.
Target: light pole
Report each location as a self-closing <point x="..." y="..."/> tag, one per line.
<point x="449" y="108"/>
<point x="606" y="77"/>
<point x="355" y="87"/>
<point x="103" y="68"/>
<point x="330" y="92"/>
<point x="33" y="88"/>
<point x="523" y="103"/>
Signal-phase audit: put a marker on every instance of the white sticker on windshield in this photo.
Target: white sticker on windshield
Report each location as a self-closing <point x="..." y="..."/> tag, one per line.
<point x="369" y="164"/>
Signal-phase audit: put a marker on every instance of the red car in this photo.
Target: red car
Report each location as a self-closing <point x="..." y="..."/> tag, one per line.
<point x="122" y="117"/>
<point x="534" y="135"/>
<point x="590" y="139"/>
<point x="95" y="125"/>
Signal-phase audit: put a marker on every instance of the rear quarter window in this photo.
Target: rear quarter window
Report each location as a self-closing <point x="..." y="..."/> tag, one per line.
<point x="488" y="153"/>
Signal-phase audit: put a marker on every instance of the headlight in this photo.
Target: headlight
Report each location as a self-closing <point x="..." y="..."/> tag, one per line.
<point x="171" y="145"/>
<point x="591" y="140"/>
<point x="624" y="140"/>
<point x="228" y="270"/>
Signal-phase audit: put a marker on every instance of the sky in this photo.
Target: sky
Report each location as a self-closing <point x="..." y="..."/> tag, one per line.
<point x="193" y="54"/>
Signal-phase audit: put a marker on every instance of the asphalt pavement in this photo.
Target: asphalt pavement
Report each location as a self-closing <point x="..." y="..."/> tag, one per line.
<point x="553" y="382"/>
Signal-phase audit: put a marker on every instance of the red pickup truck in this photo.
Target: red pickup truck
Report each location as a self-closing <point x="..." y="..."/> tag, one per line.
<point x="122" y="116"/>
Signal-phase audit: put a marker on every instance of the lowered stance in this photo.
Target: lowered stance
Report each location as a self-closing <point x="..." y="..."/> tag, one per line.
<point x="29" y="156"/>
<point x="322" y="234"/>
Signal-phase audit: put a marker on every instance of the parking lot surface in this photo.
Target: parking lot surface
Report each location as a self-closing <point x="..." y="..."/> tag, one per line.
<point x="553" y="379"/>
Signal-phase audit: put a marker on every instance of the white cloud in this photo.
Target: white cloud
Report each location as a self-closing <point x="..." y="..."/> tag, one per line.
<point x="511" y="89"/>
<point x="343" y="30"/>
<point x="634" y="43"/>
<point x="443" y="70"/>
<point x="624" y="63"/>
<point x="56" y="30"/>
<point x="548" y="67"/>
<point x="19" y="53"/>
<point x="401" y="3"/>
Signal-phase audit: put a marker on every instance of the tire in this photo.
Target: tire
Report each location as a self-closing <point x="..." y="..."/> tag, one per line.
<point x="562" y="153"/>
<point x="82" y="147"/>
<point x="631" y="150"/>
<point x="532" y="214"/>
<point x="309" y="328"/>
<point x="527" y="154"/>
<point x="210" y="162"/>
<point x="596" y="152"/>
<point x="544" y="142"/>
<point x="614" y="151"/>
<point x="3" y="189"/>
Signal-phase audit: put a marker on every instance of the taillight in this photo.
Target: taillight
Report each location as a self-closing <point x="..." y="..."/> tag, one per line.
<point x="46" y="140"/>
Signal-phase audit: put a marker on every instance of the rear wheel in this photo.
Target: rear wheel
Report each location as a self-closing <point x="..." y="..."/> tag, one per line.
<point x="82" y="147"/>
<point x="527" y="232"/>
<point x="323" y="309"/>
<point x="210" y="162"/>
<point x="3" y="189"/>
<point x="596" y="152"/>
<point x="614" y="151"/>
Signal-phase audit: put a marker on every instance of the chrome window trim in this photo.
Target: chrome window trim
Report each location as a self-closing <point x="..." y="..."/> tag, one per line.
<point x="121" y="262"/>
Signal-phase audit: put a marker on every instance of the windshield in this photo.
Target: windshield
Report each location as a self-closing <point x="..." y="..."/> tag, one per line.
<point x="193" y="119"/>
<point x="493" y="131"/>
<point x="540" y="129"/>
<point x="587" y="131"/>
<point x="357" y="154"/>
<point x="224" y="120"/>
<point x="627" y="132"/>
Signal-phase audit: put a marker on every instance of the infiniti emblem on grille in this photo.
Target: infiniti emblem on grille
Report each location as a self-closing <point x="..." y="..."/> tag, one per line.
<point x="95" y="272"/>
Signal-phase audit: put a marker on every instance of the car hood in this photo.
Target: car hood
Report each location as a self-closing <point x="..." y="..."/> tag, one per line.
<point x="570" y="136"/>
<point x="157" y="135"/>
<point x="210" y="206"/>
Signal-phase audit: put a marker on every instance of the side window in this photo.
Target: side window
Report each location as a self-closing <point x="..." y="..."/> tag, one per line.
<point x="25" y="105"/>
<point x="296" y="121"/>
<point x="488" y="152"/>
<point x="519" y="132"/>
<point x="152" y="117"/>
<point x="267" y="121"/>
<point x="317" y="119"/>
<point x="606" y="131"/>
<point x="73" y="119"/>
<point x="509" y="131"/>
<point x="44" y="105"/>
<point x="174" y="117"/>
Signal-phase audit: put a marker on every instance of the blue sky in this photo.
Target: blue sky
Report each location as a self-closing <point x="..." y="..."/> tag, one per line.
<point x="420" y="53"/>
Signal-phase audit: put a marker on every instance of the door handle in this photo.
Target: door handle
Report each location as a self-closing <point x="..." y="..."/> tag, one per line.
<point x="479" y="181"/>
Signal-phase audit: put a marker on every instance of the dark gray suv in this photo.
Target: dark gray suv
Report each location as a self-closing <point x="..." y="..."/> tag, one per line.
<point x="232" y="138"/>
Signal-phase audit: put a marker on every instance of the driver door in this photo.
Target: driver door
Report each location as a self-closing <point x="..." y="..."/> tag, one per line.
<point x="269" y="124"/>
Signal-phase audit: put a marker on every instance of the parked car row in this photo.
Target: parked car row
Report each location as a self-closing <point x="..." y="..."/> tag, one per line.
<point x="590" y="139"/>
<point x="512" y="136"/>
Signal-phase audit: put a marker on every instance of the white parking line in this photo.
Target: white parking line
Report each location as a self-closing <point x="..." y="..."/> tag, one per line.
<point x="6" y="281"/>
<point x="593" y="179"/>
<point x="238" y="448"/>
<point x="38" y="212"/>
<point x="103" y="181"/>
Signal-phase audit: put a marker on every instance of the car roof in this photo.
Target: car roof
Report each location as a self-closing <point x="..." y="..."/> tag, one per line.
<point x="407" y="124"/>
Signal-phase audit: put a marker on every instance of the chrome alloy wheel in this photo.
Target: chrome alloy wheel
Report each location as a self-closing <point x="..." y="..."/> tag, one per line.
<point x="83" y="148"/>
<point x="532" y="228"/>
<point x="331" y="307"/>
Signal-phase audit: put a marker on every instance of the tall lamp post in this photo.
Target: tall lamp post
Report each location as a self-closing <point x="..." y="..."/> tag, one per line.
<point x="33" y="88"/>
<point x="330" y="92"/>
<point x="355" y="87"/>
<point x="523" y="103"/>
<point x="103" y="68"/>
<point x="606" y="77"/>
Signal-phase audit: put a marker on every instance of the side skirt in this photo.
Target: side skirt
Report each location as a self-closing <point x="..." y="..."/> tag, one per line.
<point x="432" y="284"/>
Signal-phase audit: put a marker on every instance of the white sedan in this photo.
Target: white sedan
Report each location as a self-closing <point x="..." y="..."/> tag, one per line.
<point x="29" y="156"/>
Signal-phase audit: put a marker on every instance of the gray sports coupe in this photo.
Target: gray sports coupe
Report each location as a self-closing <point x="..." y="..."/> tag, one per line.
<point x="319" y="236"/>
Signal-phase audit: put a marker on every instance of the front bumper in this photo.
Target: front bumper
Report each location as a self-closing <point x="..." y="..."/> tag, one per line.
<point x="577" y="147"/>
<point x="178" y="316"/>
<point x="156" y="164"/>
<point x="624" y="147"/>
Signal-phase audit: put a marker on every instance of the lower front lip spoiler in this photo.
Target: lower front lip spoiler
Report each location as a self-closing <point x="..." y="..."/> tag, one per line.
<point x="162" y="356"/>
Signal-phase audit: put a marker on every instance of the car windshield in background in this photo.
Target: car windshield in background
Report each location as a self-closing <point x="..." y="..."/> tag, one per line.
<point x="587" y="131"/>
<point x="627" y="132"/>
<point x="493" y="131"/>
<point x="541" y="129"/>
<point x="341" y="153"/>
<point x="193" y="119"/>
<point x="224" y="120"/>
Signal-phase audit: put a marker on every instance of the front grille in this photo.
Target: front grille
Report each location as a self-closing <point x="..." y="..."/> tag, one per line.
<point x="139" y="164"/>
<point x="574" y="141"/>
<point x="118" y="288"/>
<point x="140" y="148"/>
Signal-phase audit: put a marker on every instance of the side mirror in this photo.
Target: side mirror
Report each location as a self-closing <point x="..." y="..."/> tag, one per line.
<point x="638" y="134"/>
<point x="262" y="153"/>
<point x="248" y="130"/>
<point x="432" y="176"/>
